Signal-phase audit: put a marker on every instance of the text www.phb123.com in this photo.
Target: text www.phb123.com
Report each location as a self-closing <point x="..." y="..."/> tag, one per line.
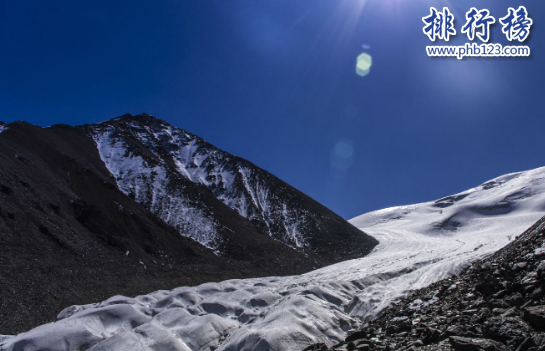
<point x="472" y="49"/>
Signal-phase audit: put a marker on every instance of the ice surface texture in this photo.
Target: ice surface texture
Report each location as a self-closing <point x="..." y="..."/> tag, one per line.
<point x="419" y="244"/>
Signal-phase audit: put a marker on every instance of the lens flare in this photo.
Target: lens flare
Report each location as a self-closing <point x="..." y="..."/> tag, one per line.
<point x="363" y="64"/>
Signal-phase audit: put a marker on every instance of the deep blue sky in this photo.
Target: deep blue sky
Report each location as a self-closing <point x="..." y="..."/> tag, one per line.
<point x="274" y="81"/>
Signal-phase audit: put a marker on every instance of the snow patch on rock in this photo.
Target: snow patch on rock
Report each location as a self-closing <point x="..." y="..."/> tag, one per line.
<point x="147" y="181"/>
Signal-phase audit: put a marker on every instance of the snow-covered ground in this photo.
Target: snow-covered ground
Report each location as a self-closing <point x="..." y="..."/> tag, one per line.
<point x="419" y="244"/>
<point x="3" y="128"/>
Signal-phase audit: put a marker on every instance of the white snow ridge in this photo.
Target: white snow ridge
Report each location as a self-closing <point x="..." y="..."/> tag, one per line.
<point x="419" y="244"/>
<point x="3" y="128"/>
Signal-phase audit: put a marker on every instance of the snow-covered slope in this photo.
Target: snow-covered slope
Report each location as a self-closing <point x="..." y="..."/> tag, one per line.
<point x="153" y="162"/>
<point x="419" y="244"/>
<point x="511" y="195"/>
<point x="231" y="180"/>
<point x="148" y="181"/>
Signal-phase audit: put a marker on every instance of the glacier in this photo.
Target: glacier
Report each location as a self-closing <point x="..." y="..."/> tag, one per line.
<point x="419" y="244"/>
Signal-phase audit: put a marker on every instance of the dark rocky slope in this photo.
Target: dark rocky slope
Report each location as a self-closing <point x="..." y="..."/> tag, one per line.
<point x="496" y="304"/>
<point x="68" y="235"/>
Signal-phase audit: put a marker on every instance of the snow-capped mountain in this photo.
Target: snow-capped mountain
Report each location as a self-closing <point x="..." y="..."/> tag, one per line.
<point x="153" y="162"/>
<point x="94" y="211"/>
<point x="419" y="245"/>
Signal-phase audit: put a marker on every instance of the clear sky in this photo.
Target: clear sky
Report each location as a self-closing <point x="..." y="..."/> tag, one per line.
<point x="274" y="81"/>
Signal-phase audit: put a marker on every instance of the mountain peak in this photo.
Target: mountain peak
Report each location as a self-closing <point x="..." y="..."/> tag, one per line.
<point x="147" y="156"/>
<point x="143" y="118"/>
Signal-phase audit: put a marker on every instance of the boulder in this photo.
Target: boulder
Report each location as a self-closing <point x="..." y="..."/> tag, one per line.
<point x="460" y="343"/>
<point x="506" y="328"/>
<point x="535" y="315"/>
